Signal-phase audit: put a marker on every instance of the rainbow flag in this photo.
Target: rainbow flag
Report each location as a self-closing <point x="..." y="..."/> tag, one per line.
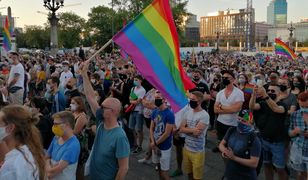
<point x="124" y="55"/>
<point x="7" y="44"/>
<point x="152" y="42"/>
<point x="283" y="49"/>
<point x="249" y="88"/>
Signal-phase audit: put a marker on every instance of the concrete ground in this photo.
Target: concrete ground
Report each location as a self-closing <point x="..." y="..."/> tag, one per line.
<point x="213" y="170"/>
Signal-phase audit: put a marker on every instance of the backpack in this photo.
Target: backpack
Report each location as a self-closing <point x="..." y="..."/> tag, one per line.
<point x="246" y="151"/>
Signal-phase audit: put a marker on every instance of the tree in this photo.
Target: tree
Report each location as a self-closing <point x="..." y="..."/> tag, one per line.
<point x="70" y="29"/>
<point x="34" y="37"/>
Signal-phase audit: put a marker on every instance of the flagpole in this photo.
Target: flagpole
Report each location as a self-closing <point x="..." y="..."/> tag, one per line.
<point x="100" y="50"/>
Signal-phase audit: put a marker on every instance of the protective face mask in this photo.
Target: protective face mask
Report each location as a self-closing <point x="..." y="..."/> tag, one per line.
<point x="93" y="81"/>
<point x="3" y="133"/>
<point x="73" y="107"/>
<point x="57" y="130"/>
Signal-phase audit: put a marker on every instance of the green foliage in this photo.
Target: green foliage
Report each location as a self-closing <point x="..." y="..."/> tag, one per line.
<point x="69" y="29"/>
<point x="33" y="37"/>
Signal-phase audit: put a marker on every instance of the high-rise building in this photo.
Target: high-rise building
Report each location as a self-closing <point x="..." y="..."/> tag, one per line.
<point x="277" y="12"/>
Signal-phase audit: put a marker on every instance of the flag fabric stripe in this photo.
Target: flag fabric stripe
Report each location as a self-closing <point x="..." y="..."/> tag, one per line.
<point x="7" y="45"/>
<point x="283" y="49"/>
<point x="152" y="42"/>
<point x="152" y="56"/>
<point x="144" y="66"/>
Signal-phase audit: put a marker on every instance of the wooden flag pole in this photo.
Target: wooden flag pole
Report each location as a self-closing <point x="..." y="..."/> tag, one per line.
<point x="100" y="50"/>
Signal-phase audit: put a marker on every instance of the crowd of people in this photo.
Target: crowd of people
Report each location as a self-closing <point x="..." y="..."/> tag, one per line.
<point x="66" y="117"/>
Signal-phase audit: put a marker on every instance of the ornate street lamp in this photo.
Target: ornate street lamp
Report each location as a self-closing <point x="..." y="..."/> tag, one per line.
<point x="53" y="6"/>
<point x="291" y="29"/>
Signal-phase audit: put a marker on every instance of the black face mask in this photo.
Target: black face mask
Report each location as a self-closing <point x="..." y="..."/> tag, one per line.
<point x="196" y="78"/>
<point x="225" y="81"/>
<point x="193" y="104"/>
<point x="215" y="80"/>
<point x="158" y="102"/>
<point x="69" y="87"/>
<point x="283" y="88"/>
<point x="272" y="96"/>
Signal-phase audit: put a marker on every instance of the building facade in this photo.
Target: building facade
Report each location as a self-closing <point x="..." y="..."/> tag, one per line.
<point x="282" y="32"/>
<point x="192" y="29"/>
<point x="261" y="31"/>
<point x="230" y="25"/>
<point x="277" y="12"/>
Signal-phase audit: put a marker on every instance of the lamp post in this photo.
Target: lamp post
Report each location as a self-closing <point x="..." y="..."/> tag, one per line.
<point x="291" y="29"/>
<point x="217" y="39"/>
<point x="53" y="6"/>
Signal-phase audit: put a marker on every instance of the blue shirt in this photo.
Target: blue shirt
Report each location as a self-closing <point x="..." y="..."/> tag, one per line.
<point x="109" y="146"/>
<point x="161" y="119"/>
<point x="58" y="102"/>
<point x="69" y="151"/>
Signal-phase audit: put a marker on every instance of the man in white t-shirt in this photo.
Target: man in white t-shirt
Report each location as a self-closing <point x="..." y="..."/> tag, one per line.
<point x="65" y="75"/>
<point x="228" y="103"/>
<point x="16" y="80"/>
<point x="136" y="116"/>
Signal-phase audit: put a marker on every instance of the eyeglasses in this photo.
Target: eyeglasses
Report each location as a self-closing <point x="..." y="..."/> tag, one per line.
<point x="57" y="123"/>
<point x="271" y="90"/>
<point x="104" y="107"/>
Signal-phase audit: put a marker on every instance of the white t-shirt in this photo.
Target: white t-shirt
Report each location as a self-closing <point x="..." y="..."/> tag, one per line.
<point x="16" y="166"/>
<point x="193" y="143"/>
<point x="17" y="69"/>
<point x="236" y="96"/>
<point x="140" y="92"/>
<point x="65" y="76"/>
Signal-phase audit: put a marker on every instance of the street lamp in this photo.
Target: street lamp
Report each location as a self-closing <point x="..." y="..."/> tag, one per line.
<point x="217" y="39"/>
<point x="53" y="6"/>
<point x="291" y="29"/>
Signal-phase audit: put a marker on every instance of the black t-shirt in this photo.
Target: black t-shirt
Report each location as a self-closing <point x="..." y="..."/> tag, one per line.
<point x="45" y="127"/>
<point x="202" y="87"/>
<point x="270" y="124"/>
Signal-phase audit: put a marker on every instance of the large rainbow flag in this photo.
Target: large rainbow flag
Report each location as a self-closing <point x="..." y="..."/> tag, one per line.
<point x="283" y="49"/>
<point x="7" y="44"/>
<point x="152" y="42"/>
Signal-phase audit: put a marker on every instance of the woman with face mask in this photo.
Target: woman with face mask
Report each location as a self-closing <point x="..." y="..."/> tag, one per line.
<point x="63" y="152"/>
<point x="78" y="108"/>
<point x="243" y="84"/>
<point x="241" y="148"/>
<point x="24" y="158"/>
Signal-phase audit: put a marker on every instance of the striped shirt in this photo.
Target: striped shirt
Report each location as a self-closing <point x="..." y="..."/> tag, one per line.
<point x="193" y="143"/>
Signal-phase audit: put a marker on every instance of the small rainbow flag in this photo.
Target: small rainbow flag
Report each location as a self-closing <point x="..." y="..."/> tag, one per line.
<point x="249" y="88"/>
<point x="7" y="44"/>
<point x="152" y="42"/>
<point x="283" y="49"/>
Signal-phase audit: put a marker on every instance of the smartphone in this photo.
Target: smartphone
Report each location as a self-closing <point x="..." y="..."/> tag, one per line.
<point x="259" y="83"/>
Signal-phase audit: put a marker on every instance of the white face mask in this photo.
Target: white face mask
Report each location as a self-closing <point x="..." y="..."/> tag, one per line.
<point x="73" y="107"/>
<point x="3" y="133"/>
<point x="93" y="81"/>
<point x="48" y="88"/>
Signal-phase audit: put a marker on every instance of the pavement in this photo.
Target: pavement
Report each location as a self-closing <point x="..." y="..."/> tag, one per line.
<point x="213" y="169"/>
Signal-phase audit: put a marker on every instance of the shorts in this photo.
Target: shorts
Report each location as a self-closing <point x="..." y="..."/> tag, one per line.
<point x="163" y="160"/>
<point x="303" y="167"/>
<point x="274" y="153"/>
<point x="135" y="121"/>
<point x="179" y="141"/>
<point x="221" y="130"/>
<point x="193" y="162"/>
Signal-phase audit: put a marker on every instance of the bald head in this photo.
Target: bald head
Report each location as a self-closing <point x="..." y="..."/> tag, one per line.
<point x="113" y="103"/>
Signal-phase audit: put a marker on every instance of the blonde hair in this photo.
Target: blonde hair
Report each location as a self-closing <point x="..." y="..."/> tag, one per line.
<point x="26" y="133"/>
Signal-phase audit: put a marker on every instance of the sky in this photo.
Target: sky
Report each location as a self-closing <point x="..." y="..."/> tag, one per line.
<point x="25" y="11"/>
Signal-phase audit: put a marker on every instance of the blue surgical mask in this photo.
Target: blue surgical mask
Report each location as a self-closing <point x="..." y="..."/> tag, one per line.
<point x="244" y="128"/>
<point x="136" y="83"/>
<point x="304" y="110"/>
